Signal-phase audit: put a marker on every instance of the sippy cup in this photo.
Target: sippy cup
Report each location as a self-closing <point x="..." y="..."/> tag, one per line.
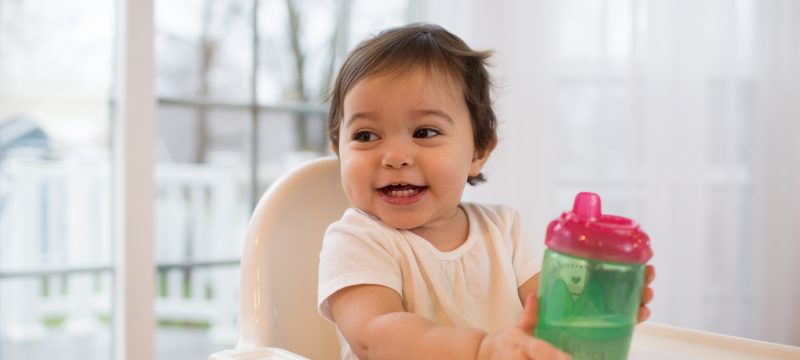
<point x="591" y="281"/>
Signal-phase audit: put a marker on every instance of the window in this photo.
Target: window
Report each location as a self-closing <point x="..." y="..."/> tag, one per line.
<point x="55" y="212"/>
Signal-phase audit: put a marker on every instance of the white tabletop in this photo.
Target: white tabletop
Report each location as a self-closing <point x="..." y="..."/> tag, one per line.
<point x="651" y="341"/>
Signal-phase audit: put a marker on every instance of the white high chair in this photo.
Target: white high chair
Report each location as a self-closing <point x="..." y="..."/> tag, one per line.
<point x="278" y="317"/>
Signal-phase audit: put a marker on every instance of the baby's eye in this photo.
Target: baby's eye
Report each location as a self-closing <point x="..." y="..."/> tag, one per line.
<point x="364" y="136"/>
<point x="426" y="133"/>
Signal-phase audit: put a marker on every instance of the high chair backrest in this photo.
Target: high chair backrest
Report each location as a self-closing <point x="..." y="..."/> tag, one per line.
<point x="280" y="262"/>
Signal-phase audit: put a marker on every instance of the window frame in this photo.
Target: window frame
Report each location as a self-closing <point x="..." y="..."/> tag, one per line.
<point x="133" y="181"/>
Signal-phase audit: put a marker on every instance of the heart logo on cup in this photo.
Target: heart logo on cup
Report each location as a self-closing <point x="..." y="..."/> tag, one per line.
<point x="576" y="279"/>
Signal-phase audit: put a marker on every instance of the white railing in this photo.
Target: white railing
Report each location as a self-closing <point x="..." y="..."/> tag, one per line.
<point x="56" y="248"/>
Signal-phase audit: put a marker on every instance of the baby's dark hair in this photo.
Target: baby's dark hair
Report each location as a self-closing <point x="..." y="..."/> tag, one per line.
<point x="433" y="48"/>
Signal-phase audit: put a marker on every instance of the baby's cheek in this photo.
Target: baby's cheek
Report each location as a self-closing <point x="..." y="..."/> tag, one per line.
<point x="353" y="190"/>
<point x="351" y="182"/>
<point x="454" y="179"/>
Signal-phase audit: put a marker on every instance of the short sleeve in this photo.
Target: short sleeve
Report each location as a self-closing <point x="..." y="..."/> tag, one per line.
<point x="526" y="256"/>
<point x="355" y="251"/>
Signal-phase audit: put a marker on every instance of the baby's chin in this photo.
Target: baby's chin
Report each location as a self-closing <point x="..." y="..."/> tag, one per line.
<point x="399" y="221"/>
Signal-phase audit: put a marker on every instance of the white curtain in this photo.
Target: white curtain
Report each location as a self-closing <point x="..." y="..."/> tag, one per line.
<point x="683" y="114"/>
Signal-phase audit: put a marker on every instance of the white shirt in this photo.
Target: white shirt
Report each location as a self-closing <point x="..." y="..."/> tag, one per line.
<point x="475" y="285"/>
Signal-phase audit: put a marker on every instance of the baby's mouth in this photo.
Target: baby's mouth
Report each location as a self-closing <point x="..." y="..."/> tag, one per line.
<point x="401" y="190"/>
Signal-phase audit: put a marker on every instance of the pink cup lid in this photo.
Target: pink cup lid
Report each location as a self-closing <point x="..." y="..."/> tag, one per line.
<point x="587" y="233"/>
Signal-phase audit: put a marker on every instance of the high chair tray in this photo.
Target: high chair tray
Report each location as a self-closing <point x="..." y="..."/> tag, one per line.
<point x="653" y="341"/>
<point x="270" y="353"/>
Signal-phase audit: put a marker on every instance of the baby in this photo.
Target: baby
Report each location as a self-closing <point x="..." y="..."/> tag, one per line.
<point x="412" y="272"/>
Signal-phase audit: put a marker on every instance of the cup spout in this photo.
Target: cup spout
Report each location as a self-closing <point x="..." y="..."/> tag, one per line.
<point x="587" y="206"/>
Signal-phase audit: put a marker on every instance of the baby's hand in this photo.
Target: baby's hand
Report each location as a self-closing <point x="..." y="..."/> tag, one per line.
<point x="647" y="294"/>
<point x="517" y="342"/>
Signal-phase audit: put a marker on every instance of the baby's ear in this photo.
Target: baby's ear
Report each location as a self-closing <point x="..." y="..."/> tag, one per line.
<point x="480" y="156"/>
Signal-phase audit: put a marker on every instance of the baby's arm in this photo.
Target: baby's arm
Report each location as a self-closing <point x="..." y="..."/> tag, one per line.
<point x="373" y="321"/>
<point x="531" y="286"/>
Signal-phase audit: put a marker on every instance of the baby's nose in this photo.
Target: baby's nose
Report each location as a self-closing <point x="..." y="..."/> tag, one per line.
<point x="397" y="156"/>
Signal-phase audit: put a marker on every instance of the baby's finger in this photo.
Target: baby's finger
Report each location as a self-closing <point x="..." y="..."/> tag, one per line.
<point x="541" y="350"/>
<point x="647" y="295"/>
<point x="649" y="274"/>
<point x="644" y="314"/>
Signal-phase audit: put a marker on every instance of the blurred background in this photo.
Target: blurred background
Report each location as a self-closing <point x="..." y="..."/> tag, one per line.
<point x="684" y="115"/>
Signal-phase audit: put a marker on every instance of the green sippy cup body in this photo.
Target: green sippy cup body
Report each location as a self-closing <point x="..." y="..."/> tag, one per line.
<point x="591" y="282"/>
<point x="588" y="308"/>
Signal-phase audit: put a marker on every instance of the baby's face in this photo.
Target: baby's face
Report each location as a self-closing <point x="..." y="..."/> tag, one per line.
<point x="406" y="148"/>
